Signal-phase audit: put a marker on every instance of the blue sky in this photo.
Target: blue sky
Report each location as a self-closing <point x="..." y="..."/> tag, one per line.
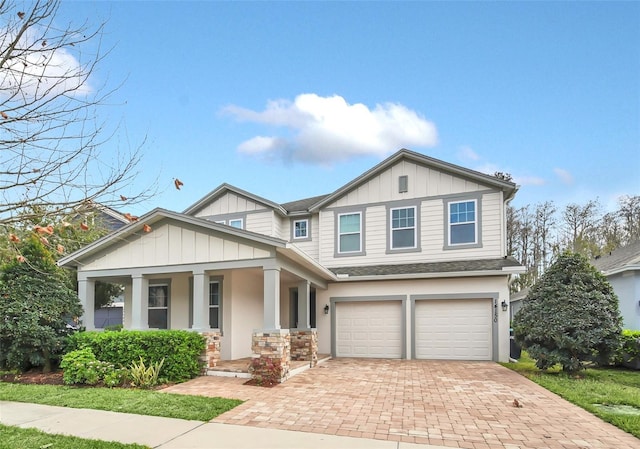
<point x="292" y="100"/>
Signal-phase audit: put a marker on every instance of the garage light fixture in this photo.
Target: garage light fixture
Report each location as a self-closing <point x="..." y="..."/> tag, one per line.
<point x="326" y="309"/>
<point x="504" y="305"/>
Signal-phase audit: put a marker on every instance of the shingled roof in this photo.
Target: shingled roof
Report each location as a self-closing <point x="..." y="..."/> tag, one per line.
<point x="302" y="205"/>
<point x="457" y="266"/>
<point x="619" y="258"/>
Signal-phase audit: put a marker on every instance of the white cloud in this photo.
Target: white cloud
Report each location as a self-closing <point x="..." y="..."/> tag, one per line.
<point x="43" y="72"/>
<point x="326" y="129"/>
<point x="564" y="175"/>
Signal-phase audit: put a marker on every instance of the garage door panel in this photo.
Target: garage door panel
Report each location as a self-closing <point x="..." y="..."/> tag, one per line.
<point x="453" y="329"/>
<point x="369" y="329"/>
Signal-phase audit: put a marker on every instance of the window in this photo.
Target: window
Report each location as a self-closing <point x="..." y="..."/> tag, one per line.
<point x="462" y="222"/>
<point x="403" y="228"/>
<point x="158" y="306"/>
<point x="300" y="229"/>
<point x="215" y="315"/>
<point x="236" y="223"/>
<point x="349" y="233"/>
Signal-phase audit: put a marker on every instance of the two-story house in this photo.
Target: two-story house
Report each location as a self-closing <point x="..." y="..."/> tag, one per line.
<point x="408" y="260"/>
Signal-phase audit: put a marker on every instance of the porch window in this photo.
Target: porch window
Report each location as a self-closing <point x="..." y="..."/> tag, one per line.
<point x="349" y="233"/>
<point x="159" y="306"/>
<point x="215" y="309"/>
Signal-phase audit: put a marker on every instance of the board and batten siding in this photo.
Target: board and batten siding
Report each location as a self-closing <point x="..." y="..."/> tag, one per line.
<point x="432" y="235"/>
<point x="172" y="244"/>
<point x="230" y="203"/>
<point x="422" y="182"/>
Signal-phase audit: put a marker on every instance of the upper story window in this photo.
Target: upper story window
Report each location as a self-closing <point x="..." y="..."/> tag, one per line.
<point x="350" y="233"/>
<point x="463" y="223"/>
<point x="301" y="229"/>
<point x="403" y="228"/>
<point x="236" y="223"/>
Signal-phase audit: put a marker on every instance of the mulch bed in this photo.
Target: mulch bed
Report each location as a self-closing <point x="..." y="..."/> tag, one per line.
<point x="34" y="377"/>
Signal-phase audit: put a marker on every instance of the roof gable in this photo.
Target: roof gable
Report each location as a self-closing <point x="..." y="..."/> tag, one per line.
<point x="224" y="189"/>
<point x="619" y="259"/>
<point x="490" y="181"/>
<point x="201" y="230"/>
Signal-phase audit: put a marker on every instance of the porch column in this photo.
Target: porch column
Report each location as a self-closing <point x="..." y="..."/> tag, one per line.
<point x="139" y="302"/>
<point x="271" y="299"/>
<point x="304" y="303"/>
<point x="200" y="318"/>
<point x="87" y="295"/>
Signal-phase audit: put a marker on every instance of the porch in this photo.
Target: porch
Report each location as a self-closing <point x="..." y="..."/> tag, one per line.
<point x="240" y="367"/>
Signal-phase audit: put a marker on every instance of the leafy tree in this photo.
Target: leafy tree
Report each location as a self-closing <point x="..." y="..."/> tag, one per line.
<point x="36" y="302"/>
<point x="570" y="316"/>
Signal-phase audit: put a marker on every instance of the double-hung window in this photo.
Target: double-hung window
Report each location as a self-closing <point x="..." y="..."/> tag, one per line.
<point x="350" y="233"/>
<point x="463" y="222"/>
<point x="159" y="306"/>
<point x="403" y="228"/>
<point x="300" y="229"/>
<point x="215" y="303"/>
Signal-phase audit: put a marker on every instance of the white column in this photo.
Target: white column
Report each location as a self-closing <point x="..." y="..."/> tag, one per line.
<point x="271" y="299"/>
<point x="87" y="295"/>
<point x="139" y="302"/>
<point x="200" y="318"/>
<point x="304" y="304"/>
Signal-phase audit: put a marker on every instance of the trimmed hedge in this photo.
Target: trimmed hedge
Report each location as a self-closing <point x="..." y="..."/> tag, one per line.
<point x="629" y="353"/>
<point x="181" y="350"/>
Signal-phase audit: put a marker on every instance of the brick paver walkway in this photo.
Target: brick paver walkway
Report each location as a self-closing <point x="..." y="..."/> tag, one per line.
<point x="456" y="404"/>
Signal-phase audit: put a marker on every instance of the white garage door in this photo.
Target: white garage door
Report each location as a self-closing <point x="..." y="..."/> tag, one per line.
<point x="369" y="329"/>
<point x="458" y="329"/>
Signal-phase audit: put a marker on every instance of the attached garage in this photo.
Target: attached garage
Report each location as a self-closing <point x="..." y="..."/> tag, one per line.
<point x="453" y="329"/>
<point x="368" y="328"/>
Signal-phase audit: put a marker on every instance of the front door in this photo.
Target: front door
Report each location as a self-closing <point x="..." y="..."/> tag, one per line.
<point x="293" y="308"/>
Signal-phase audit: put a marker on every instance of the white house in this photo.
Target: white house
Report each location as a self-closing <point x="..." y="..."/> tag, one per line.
<point x="408" y="260"/>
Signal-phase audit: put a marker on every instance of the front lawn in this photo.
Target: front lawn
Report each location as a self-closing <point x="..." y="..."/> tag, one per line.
<point x="17" y="438"/>
<point x="597" y="390"/>
<point x="140" y="402"/>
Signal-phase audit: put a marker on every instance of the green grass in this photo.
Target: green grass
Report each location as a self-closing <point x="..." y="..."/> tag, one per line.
<point x="609" y="386"/>
<point x="15" y="437"/>
<point x="140" y="402"/>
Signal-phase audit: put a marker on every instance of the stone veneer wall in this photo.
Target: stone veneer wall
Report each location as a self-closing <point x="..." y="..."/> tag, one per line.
<point x="271" y="356"/>
<point x="211" y="354"/>
<point x="304" y="345"/>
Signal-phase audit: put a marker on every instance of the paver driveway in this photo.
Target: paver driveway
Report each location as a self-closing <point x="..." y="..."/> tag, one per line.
<point x="457" y="404"/>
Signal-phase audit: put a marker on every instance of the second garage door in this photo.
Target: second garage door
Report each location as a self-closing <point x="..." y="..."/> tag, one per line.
<point x="459" y="329"/>
<point x="369" y="329"/>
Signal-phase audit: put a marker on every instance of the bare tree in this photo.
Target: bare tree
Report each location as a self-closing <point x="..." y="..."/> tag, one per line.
<point x="544" y="226"/>
<point x="580" y="223"/>
<point x="629" y="212"/>
<point x="51" y="138"/>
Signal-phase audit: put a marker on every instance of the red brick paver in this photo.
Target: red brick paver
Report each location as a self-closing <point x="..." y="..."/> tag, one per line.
<point x="456" y="404"/>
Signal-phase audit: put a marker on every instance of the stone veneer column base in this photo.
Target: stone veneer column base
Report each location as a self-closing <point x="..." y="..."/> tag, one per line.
<point x="271" y="356"/>
<point x="304" y="345"/>
<point x="211" y="355"/>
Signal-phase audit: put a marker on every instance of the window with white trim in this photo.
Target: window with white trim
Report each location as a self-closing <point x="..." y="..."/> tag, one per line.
<point x="403" y="227"/>
<point x="159" y="306"/>
<point x="215" y="303"/>
<point x="463" y="223"/>
<point x="236" y="223"/>
<point x="350" y="233"/>
<point x="300" y="229"/>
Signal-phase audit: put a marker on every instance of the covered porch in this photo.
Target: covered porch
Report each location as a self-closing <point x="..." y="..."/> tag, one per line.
<point x="251" y="296"/>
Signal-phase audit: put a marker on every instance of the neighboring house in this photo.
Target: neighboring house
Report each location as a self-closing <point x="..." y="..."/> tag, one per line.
<point x="111" y="315"/>
<point x="105" y="216"/>
<point x="408" y="260"/>
<point x="622" y="269"/>
<point x="517" y="301"/>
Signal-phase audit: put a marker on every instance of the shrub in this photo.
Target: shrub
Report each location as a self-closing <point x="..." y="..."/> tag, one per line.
<point x="82" y="367"/>
<point x="181" y="350"/>
<point x="143" y="376"/>
<point x="266" y="372"/>
<point x="570" y="316"/>
<point x="629" y="352"/>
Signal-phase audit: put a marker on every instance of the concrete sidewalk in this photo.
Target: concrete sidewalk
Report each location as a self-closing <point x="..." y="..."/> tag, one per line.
<point x="170" y="433"/>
